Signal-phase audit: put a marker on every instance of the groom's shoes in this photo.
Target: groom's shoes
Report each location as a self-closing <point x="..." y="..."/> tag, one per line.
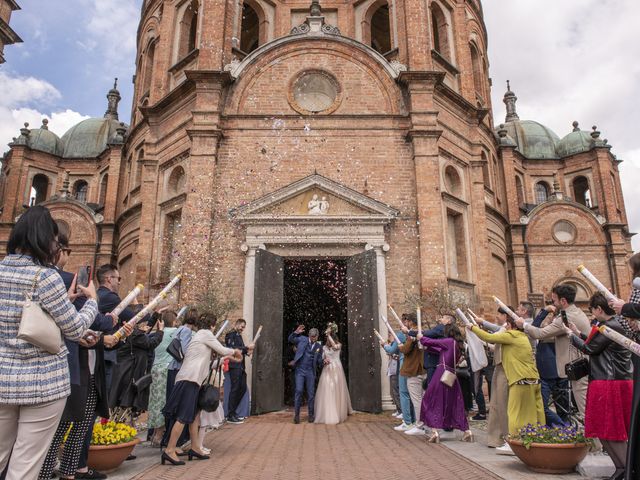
<point x="312" y="419"/>
<point x="296" y="420"/>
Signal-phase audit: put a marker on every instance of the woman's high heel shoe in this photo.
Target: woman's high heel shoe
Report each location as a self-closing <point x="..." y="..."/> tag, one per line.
<point x="166" y="458"/>
<point x="468" y="436"/>
<point x="193" y="454"/>
<point x="434" y="438"/>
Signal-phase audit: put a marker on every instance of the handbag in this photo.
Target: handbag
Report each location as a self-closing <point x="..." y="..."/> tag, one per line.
<point x="577" y="369"/>
<point x="209" y="395"/>
<point x="36" y="325"/>
<point x="448" y="377"/>
<point x="175" y="349"/>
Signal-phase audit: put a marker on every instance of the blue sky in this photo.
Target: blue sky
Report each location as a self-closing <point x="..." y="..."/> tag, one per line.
<point x="567" y="60"/>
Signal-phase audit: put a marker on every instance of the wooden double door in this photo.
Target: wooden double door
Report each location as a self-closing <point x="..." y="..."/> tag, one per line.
<point x="362" y="314"/>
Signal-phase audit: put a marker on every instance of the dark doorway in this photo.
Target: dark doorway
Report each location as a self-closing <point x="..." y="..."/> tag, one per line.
<point x="315" y="293"/>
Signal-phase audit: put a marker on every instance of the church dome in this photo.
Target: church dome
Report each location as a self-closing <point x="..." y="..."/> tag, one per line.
<point x="43" y="140"/>
<point x="577" y="141"/>
<point x="533" y="140"/>
<point x="89" y="138"/>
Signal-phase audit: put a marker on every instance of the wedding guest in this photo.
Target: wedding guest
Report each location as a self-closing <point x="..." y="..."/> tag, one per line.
<point x="563" y="297"/>
<point x="237" y="373"/>
<point x="408" y="416"/>
<point x="393" y="369"/>
<point x="80" y="409"/>
<point x="551" y="384"/>
<point x="413" y="370"/>
<point x="33" y="390"/>
<point x="610" y="390"/>
<point x="443" y="405"/>
<point x="525" y="400"/>
<point x="498" y="424"/>
<point x="182" y="406"/>
<point x="159" y="371"/>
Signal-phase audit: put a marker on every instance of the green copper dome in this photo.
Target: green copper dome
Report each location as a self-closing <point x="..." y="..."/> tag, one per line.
<point x="89" y="138"/>
<point x="577" y="141"/>
<point x="43" y="140"/>
<point x="533" y="140"/>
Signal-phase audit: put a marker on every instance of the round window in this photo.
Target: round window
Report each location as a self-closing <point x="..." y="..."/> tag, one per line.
<point x="564" y="231"/>
<point x="452" y="181"/>
<point x="315" y="91"/>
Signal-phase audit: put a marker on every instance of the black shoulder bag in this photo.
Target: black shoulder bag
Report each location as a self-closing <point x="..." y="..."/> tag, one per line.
<point x="577" y="369"/>
<point x="209" y="395"/>
<point x="175" y="348"/>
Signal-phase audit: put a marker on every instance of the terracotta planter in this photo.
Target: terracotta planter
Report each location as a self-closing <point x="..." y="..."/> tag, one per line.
<point x="550" y="457"/>
<point x="109" y="457"/>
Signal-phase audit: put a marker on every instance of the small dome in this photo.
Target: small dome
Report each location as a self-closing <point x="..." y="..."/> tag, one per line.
<point x="533" y="140"/>
<point x="89" y="138"/>
<point x="577" y="141"/>
<point x="43" y="140"/>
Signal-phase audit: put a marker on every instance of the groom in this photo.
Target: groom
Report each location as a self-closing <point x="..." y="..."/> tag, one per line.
<point x="306" y="362"/>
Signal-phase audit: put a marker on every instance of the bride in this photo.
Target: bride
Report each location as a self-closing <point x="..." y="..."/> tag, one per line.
<point x="333" y="404"/>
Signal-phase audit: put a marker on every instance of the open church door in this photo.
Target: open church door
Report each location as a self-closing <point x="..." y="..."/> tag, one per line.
<point x="364" y="352"/>
<point x="267" y="393"/>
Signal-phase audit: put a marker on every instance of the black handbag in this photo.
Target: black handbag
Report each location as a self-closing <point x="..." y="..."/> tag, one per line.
<point x="577" y="369"/>
<point x="175" y="350"/>
<point x="209" y="395"/>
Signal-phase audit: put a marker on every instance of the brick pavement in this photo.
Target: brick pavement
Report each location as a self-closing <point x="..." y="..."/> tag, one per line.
<point x="270" y="447"/>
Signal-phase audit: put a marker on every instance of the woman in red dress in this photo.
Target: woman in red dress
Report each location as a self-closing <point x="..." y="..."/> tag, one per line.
<point x="610" y="390"/>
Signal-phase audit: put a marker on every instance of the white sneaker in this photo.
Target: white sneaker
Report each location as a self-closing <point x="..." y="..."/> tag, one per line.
<point x="415" y="431"/>
<point x="403" y="427"/>
<point x="397" y="415"/>
<point x="505" y="450"/>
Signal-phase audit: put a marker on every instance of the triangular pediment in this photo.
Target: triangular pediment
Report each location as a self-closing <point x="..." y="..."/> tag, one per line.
<point x="315" y="198"/>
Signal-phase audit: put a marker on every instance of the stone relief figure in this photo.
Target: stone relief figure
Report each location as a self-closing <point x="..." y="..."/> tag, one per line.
<point x="318" y="207"/>
<point x="324" y="206"/>
<point x="314" y="205"/>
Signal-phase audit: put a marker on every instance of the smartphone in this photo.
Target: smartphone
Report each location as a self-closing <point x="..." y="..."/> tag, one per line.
<point x="83" y="278"/>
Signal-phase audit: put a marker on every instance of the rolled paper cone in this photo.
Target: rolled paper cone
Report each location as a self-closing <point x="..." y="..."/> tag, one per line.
<point x="224" y="325"/>
<point x="126" y="301"/>
<point x="419" y="315"/>
<point x="596" y="283"/>
<point x="151" y="306"/>
<point x="379" y="336"/>
<point x="395" y="315"/>
<point x="463" y="317"/>
<point x="386" y="322"/>
<point x="182" y="312"/>
<point x="255" y="339"/>
<point x="510" y="312"/>
<point x="472" y="314"/>
<point x="620" y="339"/>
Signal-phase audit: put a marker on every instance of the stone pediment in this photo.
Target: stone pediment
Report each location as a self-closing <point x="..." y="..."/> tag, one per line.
<point x="314" y="199"/>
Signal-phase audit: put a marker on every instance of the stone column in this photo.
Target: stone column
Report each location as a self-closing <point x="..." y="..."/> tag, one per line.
<point x="387" y="403"/>
<point x="247" y="299"/>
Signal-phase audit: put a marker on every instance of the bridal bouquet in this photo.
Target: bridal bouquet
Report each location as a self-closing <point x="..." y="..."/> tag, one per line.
<point x="332" y="327"/>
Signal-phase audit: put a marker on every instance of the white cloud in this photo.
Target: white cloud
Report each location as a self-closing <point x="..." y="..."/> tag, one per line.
<point x="19" y="93"/>
<point x="563" y="68"/>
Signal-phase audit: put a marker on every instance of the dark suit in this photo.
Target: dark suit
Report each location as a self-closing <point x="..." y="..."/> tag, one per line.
<point x="307" y="361"/>
<point x="237" y="374"/>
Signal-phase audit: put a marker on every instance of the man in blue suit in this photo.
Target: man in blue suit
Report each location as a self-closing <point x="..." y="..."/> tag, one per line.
<point x="306" y="362"/>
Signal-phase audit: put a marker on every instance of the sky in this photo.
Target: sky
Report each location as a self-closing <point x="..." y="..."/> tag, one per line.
<point x="566" y="60"/>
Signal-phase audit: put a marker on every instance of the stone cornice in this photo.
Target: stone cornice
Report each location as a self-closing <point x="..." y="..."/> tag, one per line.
<point x="421" y="76"/>
<point x="423" y="133"/>
<point x="461" y="103"/>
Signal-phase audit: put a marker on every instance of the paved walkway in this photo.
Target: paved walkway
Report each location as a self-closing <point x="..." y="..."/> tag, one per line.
<point x="271" y="447"/>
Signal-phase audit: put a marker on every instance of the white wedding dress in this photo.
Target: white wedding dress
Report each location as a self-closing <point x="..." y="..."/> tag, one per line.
<point x="333" y="403"/>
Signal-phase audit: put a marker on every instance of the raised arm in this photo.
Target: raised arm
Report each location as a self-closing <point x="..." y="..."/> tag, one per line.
<point x="53" y="298"/>
<point x="596" y="345"/>
<point x="492" y="327"/>
<point x="554" y="329"/>
<point x="500" y="337"/>
<point x="214" y="344"/>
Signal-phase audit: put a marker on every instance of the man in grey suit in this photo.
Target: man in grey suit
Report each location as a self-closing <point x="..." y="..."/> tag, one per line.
<point x="563" y="297"/>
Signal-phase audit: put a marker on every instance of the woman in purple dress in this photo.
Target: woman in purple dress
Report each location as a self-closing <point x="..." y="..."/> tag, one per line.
<point x="443" y="405"/>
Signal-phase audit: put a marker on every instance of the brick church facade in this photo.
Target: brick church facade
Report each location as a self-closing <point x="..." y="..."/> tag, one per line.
<point x="361" y="132"/>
